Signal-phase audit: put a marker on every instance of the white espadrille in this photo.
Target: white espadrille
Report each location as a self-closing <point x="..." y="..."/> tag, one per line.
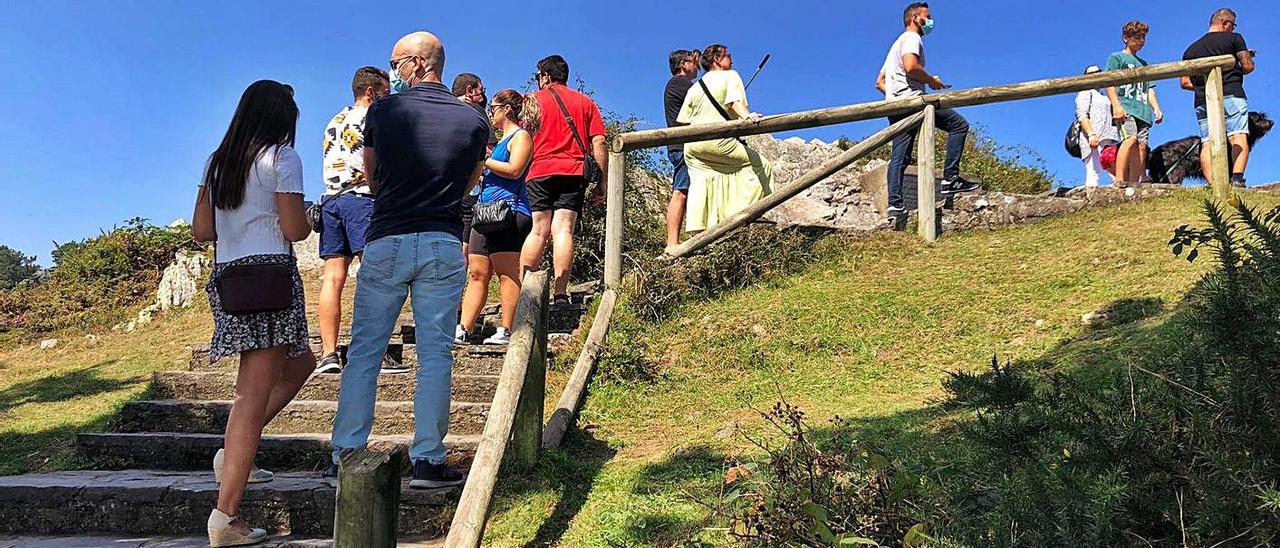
<point x="256" y="475"/>
<point x="223" y="532"/>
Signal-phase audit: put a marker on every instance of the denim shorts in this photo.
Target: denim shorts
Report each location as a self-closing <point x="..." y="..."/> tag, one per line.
<point x="680" y="178"/>
<point x="1237" y="111"/>
<point x="343" y="224"/>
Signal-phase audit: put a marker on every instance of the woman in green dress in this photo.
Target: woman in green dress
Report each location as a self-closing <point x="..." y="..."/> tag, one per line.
<point x="725" y="175"/>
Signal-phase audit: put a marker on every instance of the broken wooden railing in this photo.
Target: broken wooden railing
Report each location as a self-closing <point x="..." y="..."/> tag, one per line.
<point x="515" y="418"/>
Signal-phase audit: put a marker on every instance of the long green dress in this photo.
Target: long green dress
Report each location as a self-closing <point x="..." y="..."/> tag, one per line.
<point x="724" y="175"/>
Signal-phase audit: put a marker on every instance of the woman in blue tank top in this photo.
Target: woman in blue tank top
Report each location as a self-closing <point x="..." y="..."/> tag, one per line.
<point x="499" y="251"/>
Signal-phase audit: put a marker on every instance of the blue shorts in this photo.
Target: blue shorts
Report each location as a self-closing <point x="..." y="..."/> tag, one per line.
<point x="344" y="222"/>
<point x="680" y="179"/>
<point x="1237" y="111"/>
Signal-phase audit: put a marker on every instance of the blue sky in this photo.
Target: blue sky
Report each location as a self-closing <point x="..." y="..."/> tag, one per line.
<point x="113" y="106"/>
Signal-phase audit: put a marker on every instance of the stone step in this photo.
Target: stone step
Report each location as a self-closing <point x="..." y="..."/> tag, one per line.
<point x="300" y="416"/>
<point x="278" y="453"/>
<point x="147" y="502"/>
<point x="467" y="359"/>
<point x="220" y="385"/>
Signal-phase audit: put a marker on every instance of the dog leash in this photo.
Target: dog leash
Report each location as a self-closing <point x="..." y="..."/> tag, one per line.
<point x="1180" y="160"/>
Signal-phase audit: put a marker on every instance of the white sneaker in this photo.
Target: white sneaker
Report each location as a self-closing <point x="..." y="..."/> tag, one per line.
<point x="256" y="475"/>
<point x="459" y="335"/>
<point x="501" y="337"/>
<point x="225" y="531"/>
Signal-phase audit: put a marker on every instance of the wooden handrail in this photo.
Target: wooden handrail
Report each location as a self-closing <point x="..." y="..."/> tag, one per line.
<point x="525" y="357"/>
<point x="762" y="206"/>
<point x="948" y="99"/>
<point x="574" y="391"/>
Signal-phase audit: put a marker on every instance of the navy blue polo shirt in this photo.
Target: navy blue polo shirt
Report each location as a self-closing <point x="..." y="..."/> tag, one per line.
<point x="428" y="144"/>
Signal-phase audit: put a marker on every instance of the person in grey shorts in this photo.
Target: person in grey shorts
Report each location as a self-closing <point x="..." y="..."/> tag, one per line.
<point x="1134" y="107"/>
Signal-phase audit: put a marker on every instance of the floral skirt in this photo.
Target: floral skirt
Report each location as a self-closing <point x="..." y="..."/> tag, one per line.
<point x="235" y="333"/>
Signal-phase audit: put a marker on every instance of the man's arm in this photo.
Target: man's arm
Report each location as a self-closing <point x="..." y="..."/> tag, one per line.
<point x="915" y="71"/>
<point x="371" y="168"/>
<point x="475" y="177"/>
<point x="1186" y="83"/>
<point x="601" y="153"/>
<point x="1245" y="58"/>
<point x="1155" y="105"/>
<point x="880" y="81"/>
<point x="1117" y="110"/>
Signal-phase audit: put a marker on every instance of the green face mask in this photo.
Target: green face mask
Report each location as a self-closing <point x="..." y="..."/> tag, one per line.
<point x="926" y="27"/>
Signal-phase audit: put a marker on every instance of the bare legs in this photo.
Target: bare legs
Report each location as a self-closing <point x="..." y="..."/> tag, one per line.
<point x="479" y="270"/>
<point x="330" y="310"/>
<point x="268" y="380"/>
<point x="675" y="215"/>
<point x="557" y="227"/>
<point x="1239" y="152"/>
<point x="1131" y="160"/>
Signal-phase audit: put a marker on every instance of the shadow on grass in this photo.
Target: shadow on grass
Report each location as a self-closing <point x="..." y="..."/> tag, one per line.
<point x="65" y="386"/>
<point x="45" y="450"/>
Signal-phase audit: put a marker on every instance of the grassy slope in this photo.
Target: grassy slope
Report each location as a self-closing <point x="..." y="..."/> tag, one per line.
<point x="867" y="334"/>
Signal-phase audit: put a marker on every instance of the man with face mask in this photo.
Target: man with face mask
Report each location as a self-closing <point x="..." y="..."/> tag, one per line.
<point x="903" y="75"/>
<point x="424" y="150"/>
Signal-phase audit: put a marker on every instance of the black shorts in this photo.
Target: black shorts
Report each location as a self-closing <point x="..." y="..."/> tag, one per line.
<point x="558" y="192"/>
<point x="502" y="241"/>
<point x="468" y="203"/>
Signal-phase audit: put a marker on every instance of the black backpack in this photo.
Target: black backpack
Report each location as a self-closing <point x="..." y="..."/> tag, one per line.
<point x="1072" y="141"/>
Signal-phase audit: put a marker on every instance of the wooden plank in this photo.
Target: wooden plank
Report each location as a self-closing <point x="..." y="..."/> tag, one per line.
<point x="526" y="436"/>
<point x="927" y="209"/>
<point x="467" y="528"/>
<point x="948" y="99"/>
<point x="367" y="508"/>
<point x="576" y="389"/>
<point x="1220" y="178"/>
<point x="759" y="208"/>
<point x="613" y="219"/>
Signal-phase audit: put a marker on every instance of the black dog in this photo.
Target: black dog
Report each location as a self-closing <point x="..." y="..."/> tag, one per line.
<point x="1177" y="160"/>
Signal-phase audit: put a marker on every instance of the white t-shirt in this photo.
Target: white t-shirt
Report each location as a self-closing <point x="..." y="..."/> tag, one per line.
<point x="896" y="83"/>
<point x="254" y="227"/>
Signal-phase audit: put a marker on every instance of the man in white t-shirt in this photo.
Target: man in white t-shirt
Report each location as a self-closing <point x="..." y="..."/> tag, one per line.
<point x="903" y="75"/>
<point x="348" y="205"/>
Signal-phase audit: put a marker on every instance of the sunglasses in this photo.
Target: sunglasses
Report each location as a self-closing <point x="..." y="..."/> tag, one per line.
<point x="395" y="63"/>
<point x="495" y="106"/>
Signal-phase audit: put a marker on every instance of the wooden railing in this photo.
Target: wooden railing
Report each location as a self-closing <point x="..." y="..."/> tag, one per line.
<point x="516" y="413"/>
<point x="515" y="418"/>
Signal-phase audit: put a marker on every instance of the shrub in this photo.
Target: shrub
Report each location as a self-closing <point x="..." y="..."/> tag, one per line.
<point x="1005" y="168"/>
<point x="95" y="281"/>
<point x="15" y="268"/>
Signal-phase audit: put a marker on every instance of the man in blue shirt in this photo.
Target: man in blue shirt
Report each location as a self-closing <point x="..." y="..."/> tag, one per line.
<point x="425" y="150"/>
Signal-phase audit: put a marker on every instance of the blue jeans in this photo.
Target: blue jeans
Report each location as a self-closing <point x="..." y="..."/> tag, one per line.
<point x="945" y="119"/>
<point x="430" y="266"/>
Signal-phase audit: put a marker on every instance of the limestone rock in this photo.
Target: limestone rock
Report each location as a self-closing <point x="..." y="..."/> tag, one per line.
<point x="48" y="344"/>
<point x="179" y="284"/>
<point x="308" y="253"/>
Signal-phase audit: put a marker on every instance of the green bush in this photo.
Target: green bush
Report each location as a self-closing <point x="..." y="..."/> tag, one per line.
<point x="1018" y="169"/>
<point x="94" y="281"/>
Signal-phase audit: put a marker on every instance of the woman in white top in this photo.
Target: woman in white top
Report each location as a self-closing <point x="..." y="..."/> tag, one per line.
<point x="1097" y="132"/>
<point x="250" y="205"/>
<point x="725" y="175"/>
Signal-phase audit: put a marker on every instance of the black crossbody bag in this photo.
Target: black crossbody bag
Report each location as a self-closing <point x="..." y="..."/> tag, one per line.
<point x="252" y="288"/>
<point x="590" y="168"/>
<point x="315" y="211"/>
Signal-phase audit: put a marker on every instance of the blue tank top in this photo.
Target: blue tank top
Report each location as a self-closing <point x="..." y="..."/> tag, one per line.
<point x="495" y="188"/>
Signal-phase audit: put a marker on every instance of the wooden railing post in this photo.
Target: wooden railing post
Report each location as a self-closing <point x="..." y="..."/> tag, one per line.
<point x="528" y="339"/>
<point x="1220" y="178"/>
<point x="526" y="431"/>
<point x="613" y="220"/>
<point x="926" y="200"/>
<point x="367" y="508"/>
<point x="576" y="389"/>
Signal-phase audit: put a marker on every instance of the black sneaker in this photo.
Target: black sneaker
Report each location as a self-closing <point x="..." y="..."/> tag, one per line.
<point x="896" y="217"/>
<point x="331" y="472"/>
<point x="392" y="366"/>
<point x="329" y="364"/>
<point x="1237" y="180"/>
<point x="959" y="185"/>
<point x="434" y="476"/>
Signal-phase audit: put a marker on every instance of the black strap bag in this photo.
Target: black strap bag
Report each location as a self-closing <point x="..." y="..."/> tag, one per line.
<point x="315" y="211"/>
<point x="252" y="288"/>
<point x="591" y="171"/>
<point x="1072" y="141"/>
<point x="490" y="217"/>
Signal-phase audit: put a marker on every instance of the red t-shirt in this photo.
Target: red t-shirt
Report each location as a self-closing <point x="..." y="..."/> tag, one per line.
<point x="555" y="152"/>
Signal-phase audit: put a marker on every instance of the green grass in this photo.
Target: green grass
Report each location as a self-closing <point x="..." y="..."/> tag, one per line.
<point x="868" y="333"/>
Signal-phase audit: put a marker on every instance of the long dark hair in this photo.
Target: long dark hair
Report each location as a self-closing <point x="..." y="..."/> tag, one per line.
<point x="266" y="117"/>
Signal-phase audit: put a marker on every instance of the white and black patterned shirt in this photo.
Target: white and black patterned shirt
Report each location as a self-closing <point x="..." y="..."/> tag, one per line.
<point x="344" y="151"/>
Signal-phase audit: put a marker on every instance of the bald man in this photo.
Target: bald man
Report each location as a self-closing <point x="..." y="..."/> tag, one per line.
<point x="1222" y="39"/>
<point x="424" y="150"/>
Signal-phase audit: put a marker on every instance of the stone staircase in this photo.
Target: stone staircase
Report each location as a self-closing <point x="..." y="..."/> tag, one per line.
<point x="151" y="475"/>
